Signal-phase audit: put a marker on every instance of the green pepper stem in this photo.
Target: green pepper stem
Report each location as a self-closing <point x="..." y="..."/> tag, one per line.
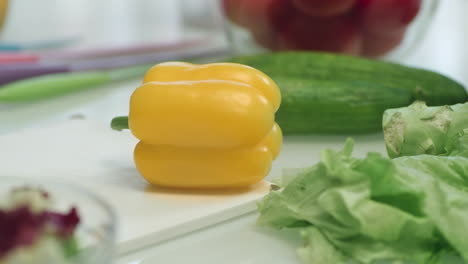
<point x="119" y="123"/>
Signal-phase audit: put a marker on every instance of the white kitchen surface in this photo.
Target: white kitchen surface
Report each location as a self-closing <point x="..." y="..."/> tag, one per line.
<point x="92" y="155"/>
<point x="238" y="241"/>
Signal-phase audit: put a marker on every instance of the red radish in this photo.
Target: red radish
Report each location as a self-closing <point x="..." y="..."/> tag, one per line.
<point x="262" y="18"/>
<point x="239" y="11"/>
<point x="376" y="46"/>
<point x="230" y="10"/>
<point x="268" y="40"/>
<point x="336" y="34"/>
<point x="323" y="8"/>
<point x="381" y="17"/>
<point x="257" y="14"/>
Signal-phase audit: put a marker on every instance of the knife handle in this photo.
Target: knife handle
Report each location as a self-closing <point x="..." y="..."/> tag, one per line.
<point x="20" y="71"/>
<point x="51" y="85"/>
<point x="13" y="57"/>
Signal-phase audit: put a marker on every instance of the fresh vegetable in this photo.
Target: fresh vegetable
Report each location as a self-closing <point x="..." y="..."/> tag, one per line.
<point x="262" y="17"/>
<point x="337" y="107"/>
<point x="424" y="85"/>
<point x="172" y="166"/>
<point x="320" y="8"/>
<point x="357" y="27"/>
<point x="335" y="34"/>
<point x="419" y="129"/>
<point x="376" y="45"/>
<point x="31" y="233"/>
<point x="411" y="209"/>
<point x="374" y="209"/>
<point x="383" y="17"/>
<point x="204" y="126"/>
<point x="330" y="93"/>
<point x="212" y="105"/>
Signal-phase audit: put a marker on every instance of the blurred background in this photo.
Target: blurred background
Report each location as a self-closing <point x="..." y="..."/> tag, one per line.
<point x="108" y="45"/>
<point x="46" y="33"/>
<point x="244" y="26"/>
<point x="100" y="23"/>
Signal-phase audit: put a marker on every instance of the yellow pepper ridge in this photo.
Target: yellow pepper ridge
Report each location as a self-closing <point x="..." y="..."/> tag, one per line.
<point x="175" y="71"/>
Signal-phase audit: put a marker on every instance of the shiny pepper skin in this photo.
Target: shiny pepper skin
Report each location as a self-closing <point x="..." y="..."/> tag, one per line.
<point x="205" y="126"/>
<point x="207" y="167"/>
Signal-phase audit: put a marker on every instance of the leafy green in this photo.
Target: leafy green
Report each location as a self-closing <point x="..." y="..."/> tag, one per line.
<point x="70" y="246"/>
<point x="374" y="209"/>
<point x="418" y="129"/>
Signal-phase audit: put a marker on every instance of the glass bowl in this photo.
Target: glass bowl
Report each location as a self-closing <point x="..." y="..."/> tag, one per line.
<point x="94" y="236"/>
<point x="382" y="29"/>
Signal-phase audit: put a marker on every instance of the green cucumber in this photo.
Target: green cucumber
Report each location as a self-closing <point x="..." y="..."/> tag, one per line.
<point x="424" y="85"/>
<point x="335" y="106"/>
<point x="330" y="93"/>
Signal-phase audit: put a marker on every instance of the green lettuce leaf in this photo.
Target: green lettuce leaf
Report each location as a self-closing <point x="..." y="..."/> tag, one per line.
<point x="419" y="129"/>
<point x="375" y="209"/>
<point x="318" y="249"/>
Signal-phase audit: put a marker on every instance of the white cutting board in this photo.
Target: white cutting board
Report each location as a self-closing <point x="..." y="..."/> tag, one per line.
<point x="91" y="154"/>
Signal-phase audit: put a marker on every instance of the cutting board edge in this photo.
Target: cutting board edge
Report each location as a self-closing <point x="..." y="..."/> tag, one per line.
<point x="168" y="234"/>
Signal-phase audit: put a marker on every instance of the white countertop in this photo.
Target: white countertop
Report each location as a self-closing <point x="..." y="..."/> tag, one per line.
<point x="236" y="241"/>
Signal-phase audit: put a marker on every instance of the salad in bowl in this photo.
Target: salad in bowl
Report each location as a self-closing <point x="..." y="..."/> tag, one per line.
<point x="60" y="224"/>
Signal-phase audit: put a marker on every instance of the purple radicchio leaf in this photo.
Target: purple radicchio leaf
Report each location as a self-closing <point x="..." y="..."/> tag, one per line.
<point x="19" y="227"/>
<point x="64" y="224"/>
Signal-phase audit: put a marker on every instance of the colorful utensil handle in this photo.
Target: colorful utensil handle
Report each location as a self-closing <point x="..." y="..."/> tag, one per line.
<point x="127" y="61"/>
<point x="51" y="85"/>
<point x="19" y="71"/>
<point x="10" y="47"/>
<point x="8" y="58"/>
<point x="121" y="50"/>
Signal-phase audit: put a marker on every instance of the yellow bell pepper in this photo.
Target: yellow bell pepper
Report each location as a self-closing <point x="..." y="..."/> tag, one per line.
<point x="176" y="71"/>
<point x="205" y="126"/>
<point x="211" y="105"/>
<point x="170" y="166"/>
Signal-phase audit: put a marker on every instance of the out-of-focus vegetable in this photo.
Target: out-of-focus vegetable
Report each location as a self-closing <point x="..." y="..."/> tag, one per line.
<point x="337" y="34"/>
<point x="325" y="25"/>
<point x="31" y="233"/>
<point x="385" y="17"/>
<point x="320" y="8"/>
<point x="419" y="129"/>
<point x="375" y="45"/>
